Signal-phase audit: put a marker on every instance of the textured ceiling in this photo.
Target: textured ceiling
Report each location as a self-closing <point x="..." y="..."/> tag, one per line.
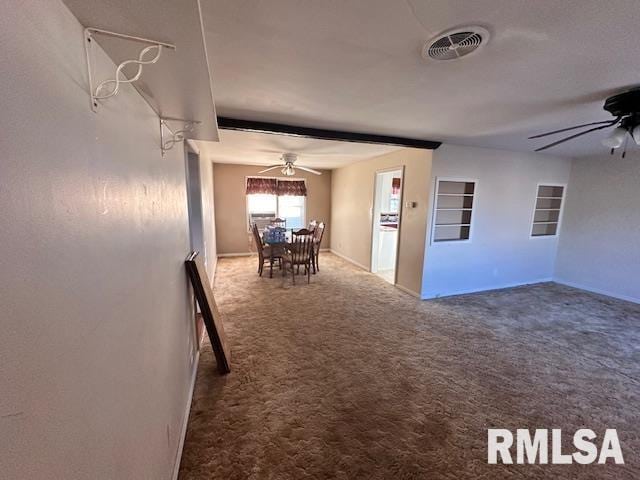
<point x="266" y="149"/>
<point x="356" y="66"/>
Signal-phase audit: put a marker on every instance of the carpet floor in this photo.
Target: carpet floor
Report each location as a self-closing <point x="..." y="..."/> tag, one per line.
<point x="350" y="378"/>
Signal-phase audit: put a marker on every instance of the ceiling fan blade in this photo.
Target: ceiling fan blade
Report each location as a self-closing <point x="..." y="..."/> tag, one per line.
<point x="272" y="167"/>
<point x="611" y="122"/>
<point x="310" y="170"/>
<point x="566" y="139"/>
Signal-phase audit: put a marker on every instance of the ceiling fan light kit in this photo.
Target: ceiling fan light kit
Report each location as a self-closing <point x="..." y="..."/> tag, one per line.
<point x="287" y="168"/>
<point x="635" y="133"/>
<point x="288" y="171"/>
<point x="615" y="139"/>
<point x="625" y="107"/>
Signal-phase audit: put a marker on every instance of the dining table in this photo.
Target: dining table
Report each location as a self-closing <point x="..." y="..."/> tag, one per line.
<point x="276" y="249"/>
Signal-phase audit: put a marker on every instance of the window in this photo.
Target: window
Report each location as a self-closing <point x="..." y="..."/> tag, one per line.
<point x="292" y="210"/>
<point x="262" y="208"/>
<point x="546" y="216"/>
<point x="453" y="210"/>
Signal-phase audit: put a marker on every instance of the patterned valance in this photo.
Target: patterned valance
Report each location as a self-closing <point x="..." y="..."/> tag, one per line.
<point x="273" y="186"/>
<point x="295" y="188"/>
<point x="395" y="185"/>
<point x="262" y="185"/>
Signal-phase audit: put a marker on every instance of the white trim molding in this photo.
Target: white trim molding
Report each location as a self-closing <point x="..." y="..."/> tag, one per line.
<point x="239" y="254"/>
<point x="350" y="260"/>
<point x="599" y="291"/>
<point x="487" y="289"/>
<point x="185" y="421"/>
<point x="408" y="291"/>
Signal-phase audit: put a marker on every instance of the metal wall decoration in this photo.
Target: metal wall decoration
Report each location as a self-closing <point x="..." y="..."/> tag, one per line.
<point x="110" y="87"/>
<point x="177" y="136"/>
<point x="210" y="313"/>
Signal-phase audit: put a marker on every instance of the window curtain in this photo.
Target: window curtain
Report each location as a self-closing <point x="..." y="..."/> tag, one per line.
<point x="395" y="186"/>
<point x="261" y="185"/>
<point x="295" y="188"/>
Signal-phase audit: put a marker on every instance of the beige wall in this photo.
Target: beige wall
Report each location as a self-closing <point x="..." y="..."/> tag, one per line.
<point x="352" y="206"/>
<point x="98" y="338"/>
<point x="230" y="204"/>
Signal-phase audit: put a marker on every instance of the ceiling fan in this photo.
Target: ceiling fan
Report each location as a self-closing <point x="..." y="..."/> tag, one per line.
<point x="288" y="168"/>
<point x="625" y="107"/>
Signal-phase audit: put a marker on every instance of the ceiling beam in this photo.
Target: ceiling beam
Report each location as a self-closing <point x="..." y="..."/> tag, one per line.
<point x="226" y="123"/>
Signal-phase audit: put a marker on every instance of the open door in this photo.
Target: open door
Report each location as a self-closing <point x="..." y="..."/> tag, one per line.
<point x="387" y="210"/>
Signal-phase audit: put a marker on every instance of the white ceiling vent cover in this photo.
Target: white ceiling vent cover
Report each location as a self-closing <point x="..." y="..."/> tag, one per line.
<point x="455" y="43"/>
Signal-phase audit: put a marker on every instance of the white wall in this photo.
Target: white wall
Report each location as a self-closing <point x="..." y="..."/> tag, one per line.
<point x="97" y="343"/>
<point x="501" y="252"/>
<point x="600" y="239"/>
<point x="208" y="215"/>
<point x="199" y="172"/>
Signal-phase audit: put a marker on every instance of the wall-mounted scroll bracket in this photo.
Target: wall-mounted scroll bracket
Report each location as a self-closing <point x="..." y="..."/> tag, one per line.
<point x="110" y="87"/>
<point x="176" y="136"/>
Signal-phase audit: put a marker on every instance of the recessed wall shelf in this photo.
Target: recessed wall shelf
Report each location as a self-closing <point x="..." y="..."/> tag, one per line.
<point x="176" y="136"/>
<point x="547" y="211"/>
<point x="110" y="87"/>
<point x="454" y="204"/>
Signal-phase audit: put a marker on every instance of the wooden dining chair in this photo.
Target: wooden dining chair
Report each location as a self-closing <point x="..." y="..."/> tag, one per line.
<point x="279" y="222"/>
<point x="318" y="233"/>
<point x="264" y="252"/>
<point x="298" y="253"/>
<point x="301" y="233"/>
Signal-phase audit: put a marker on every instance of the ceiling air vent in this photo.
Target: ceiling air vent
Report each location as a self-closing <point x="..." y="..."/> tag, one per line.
<point x="456" y="43"/>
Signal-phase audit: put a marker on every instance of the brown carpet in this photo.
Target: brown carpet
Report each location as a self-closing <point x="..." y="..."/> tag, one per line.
<point x="350" y="378"/>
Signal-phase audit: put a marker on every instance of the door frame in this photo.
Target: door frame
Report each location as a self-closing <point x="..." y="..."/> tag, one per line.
<point x="193" y="185"/>
<point x="398" y="168"/>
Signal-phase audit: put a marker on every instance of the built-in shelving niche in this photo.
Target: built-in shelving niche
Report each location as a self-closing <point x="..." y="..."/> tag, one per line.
<point x="454" y="208"/>
<point x="547" y="213"/>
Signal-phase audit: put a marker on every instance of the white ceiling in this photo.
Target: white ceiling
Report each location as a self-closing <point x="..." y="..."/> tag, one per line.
<point x="265" y="149"/>
<point x="356" y="66"/>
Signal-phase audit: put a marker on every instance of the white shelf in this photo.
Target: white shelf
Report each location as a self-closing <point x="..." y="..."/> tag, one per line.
<point x="458" y="195"/>
<point x="454" y="209"/>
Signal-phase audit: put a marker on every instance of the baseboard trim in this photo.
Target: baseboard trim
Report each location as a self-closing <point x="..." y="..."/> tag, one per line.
<point x="350" y="260"/>
<point x="599" y="291"/>
<point x="239" y="254"/>
<point x="408" y="291"/>
<point x="485" y="289"/>
<point x="185" y="421"/>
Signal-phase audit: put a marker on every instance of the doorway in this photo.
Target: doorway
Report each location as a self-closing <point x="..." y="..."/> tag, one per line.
<point x="387" y="209"/>
<point x="196" y="223"/>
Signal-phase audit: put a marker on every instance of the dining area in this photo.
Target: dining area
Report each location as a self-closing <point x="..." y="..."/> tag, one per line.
<point x="289" y="250"/>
